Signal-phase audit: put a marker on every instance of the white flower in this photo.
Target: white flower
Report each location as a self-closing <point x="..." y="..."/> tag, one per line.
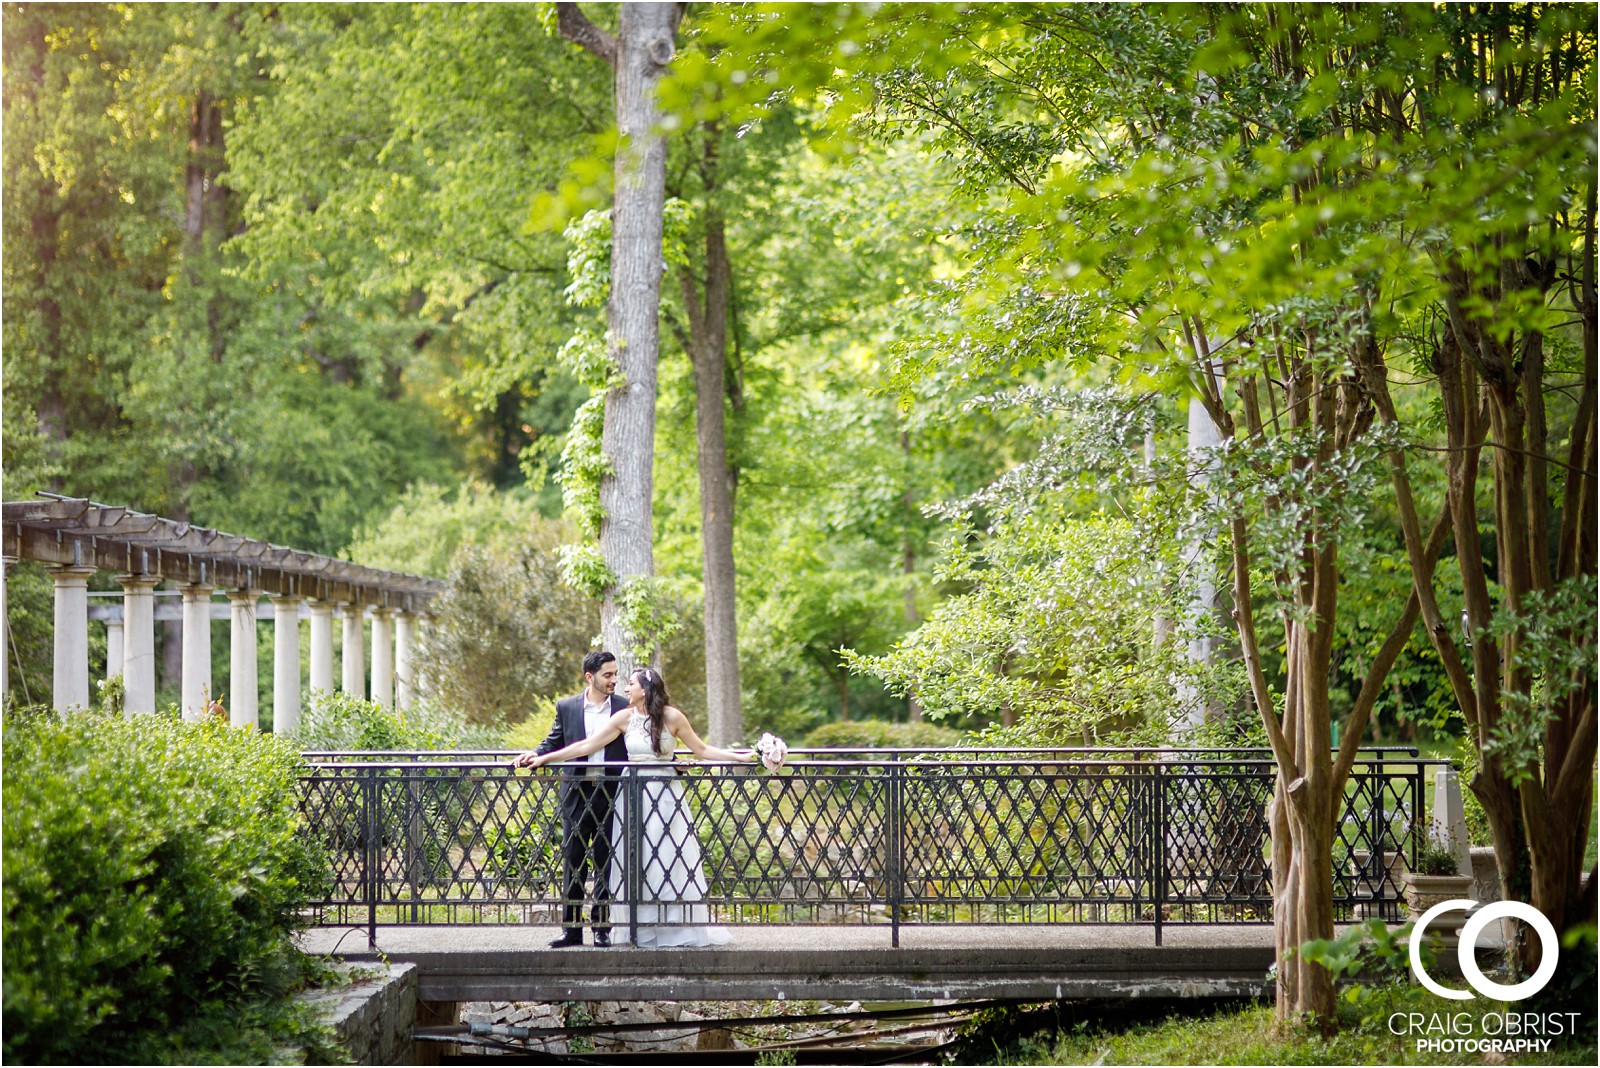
<point x="772" y="751"/>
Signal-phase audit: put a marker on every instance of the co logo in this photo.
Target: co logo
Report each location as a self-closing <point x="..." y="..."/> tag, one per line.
<point x="1466" y="951"/>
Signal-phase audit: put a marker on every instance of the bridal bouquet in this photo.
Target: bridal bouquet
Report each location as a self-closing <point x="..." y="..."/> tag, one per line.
<point x="772" y="751"/>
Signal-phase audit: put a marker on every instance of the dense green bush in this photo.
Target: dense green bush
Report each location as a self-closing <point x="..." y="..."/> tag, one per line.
<point x="338" y="721"/>
<point x="152" y="880"/>
<point x="876" y="734"/>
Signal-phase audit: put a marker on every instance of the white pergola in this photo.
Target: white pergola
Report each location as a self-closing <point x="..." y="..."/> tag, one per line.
<point x="78" y="537"/>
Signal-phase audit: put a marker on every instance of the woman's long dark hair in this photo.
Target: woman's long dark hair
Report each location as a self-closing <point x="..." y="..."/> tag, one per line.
<point x="655" y="703"/>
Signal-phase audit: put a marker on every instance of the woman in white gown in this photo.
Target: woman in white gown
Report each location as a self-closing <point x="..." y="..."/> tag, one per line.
<point x="671" y="907"/>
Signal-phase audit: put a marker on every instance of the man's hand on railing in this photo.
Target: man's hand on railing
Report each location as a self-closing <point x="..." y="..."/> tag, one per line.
<point x="530" y="759"/>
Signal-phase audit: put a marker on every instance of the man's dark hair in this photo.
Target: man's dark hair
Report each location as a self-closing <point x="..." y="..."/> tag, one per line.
<point x="596" y="660"/>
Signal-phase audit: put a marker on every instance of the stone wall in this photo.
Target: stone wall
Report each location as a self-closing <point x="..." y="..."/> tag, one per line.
<point x="373" y="1017"/>
<point x="504" y="1021"/>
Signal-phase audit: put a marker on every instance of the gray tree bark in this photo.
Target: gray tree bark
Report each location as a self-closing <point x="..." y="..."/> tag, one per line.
<point x="638" y="55"/>
<point x="708" y="350"/>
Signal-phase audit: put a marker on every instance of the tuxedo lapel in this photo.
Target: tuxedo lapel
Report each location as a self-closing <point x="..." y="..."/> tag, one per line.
<point x="574" y="722"/>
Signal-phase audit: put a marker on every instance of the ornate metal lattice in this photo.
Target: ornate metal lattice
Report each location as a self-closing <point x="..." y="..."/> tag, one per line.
<point x="925" y="837"/>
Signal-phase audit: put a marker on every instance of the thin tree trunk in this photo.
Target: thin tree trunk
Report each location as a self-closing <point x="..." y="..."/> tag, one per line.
<point x="908" y="570"/>
<point x="46" y="232"/>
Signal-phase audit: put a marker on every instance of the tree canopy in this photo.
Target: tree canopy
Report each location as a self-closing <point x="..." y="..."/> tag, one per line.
<point x="935" y="288"/>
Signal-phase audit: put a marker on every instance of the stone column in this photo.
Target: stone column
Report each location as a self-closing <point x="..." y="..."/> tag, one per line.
<point x="196" y="650"/>
<point x="355" y="661"/>
<point x="424" y="631"/>
<point x="383" y="656"/>
<point x="1447" y="819"/>
<point x="5" y="630"/>
<point x="321" y="645"/>
<point x="138" y="643"/>
<point x="405" y="674"/>
<point x="285" y="665"/>
<point x="72" y="637"/>
<point x="243" y="680"/>
<point x="113" y="648"/>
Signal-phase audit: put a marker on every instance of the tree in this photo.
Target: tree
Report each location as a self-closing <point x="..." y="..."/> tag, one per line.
<point x="1511" y="247"/>
<point x="1056" y="572"/>
<point x="638" y="55"/>
<point x="706" y="302"/>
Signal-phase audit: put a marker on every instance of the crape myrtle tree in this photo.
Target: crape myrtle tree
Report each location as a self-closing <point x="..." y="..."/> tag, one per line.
<point x="1496" y="110"/>
<point x="1225" y="195"/>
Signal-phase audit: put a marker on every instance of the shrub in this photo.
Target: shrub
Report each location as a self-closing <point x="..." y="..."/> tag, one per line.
<point x="153" y="876"/>
<point x="507" y="631"/>
<point x="876" y="734"/>
<point x="339" y="721"/>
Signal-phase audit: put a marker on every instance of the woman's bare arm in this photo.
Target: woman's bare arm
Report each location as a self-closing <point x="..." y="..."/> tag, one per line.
<point x="598" y="741"/>
<point x="679" y="724"/>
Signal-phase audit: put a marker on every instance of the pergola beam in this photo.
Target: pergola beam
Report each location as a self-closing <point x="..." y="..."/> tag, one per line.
<point x="75" y="533"/>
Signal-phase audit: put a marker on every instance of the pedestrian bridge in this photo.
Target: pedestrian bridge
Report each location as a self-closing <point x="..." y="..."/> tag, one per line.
<point x="906" y="875"/>
<point x="460" y="964"/>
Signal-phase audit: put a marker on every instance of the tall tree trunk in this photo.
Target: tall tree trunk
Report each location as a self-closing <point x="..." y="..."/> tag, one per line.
<point x="639" y="55"/>
<point x="708" y="352"/>
<point x="204" y="226"/>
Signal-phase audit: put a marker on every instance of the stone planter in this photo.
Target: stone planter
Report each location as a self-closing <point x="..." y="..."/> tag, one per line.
<point x="1425" y="891"/>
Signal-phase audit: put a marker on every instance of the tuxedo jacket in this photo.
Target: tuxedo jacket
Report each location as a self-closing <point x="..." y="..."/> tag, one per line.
<point x="567" y="729"/>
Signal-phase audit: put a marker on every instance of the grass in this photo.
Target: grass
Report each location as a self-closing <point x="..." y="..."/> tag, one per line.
<point x="1250" y="1036"/>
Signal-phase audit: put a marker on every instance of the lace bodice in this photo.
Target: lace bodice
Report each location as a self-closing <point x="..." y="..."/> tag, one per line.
<point x="637" y="738"/>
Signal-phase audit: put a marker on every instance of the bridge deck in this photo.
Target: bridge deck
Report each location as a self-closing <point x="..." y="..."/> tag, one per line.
<point x="508" y="963"/>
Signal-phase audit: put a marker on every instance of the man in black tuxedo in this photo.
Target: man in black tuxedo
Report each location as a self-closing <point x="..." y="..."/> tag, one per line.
<point x="588" y="796"/>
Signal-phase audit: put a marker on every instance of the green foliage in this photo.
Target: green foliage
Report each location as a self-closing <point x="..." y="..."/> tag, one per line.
<point x="153" y="877"/>
<point x="142" y="366"/>
<point x="338" y="721"/>
<point x="587" y="357"/>
<point x="423" y="531"/>
<point x="651" y="613"/>
<point x="1250" y="1035"/>
<point x="1379" y="955"/>
<point x="1479" y="832"/>
<point x="1551" y="640"/>
<point x="508" y="632"/>
<point x="1056" y="619"/>
<point x="29" y="631"/>
<point x="876" y="734"/>
<point x="584" y="568"/>
<point x="110" y="695"/>
<point x="1435" y="858"/>
<point x="1068" y="607"/>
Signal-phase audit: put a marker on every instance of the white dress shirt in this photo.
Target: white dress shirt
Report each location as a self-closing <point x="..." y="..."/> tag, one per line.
<point x="594" y="720"/>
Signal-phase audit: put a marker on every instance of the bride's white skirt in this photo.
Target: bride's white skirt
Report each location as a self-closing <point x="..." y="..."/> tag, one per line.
<point x="671" y="908"/>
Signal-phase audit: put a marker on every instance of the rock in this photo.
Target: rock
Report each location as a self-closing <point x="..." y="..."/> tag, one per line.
<point x="715" y="1038"/>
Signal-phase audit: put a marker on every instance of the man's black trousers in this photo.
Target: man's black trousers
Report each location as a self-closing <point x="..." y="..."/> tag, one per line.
<point x="586" y="846"/>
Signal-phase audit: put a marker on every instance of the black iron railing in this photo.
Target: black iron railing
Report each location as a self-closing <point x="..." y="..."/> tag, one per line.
<point x="860" y="837"/>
